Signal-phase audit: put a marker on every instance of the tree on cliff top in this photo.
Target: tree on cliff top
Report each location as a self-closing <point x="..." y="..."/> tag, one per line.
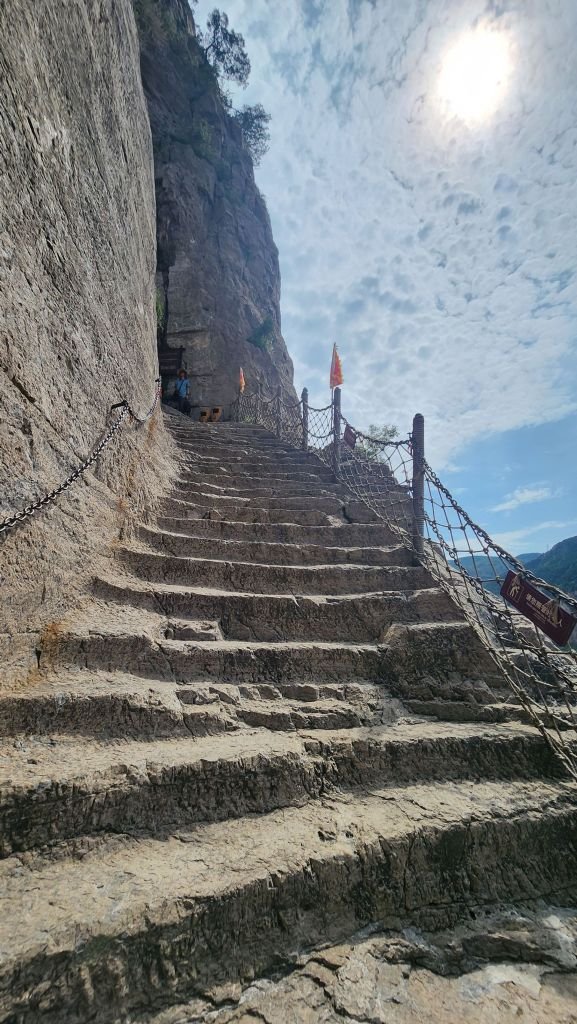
<point x="225" y="49"/>
<point x="372" y="450"/>
<point x="254" y="126"/>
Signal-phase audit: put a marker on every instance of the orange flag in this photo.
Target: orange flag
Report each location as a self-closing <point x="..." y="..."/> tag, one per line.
<point x="241" y="384"/>
<point x="336" y="369"/>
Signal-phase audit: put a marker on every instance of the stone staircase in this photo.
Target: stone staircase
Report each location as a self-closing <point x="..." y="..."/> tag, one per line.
<point x="266" y="731"/>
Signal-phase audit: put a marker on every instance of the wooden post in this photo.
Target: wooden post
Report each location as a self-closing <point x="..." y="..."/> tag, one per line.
<point x="337" y="432"/>
<point x="305" y="401"/>
<point x="418" y="443"/>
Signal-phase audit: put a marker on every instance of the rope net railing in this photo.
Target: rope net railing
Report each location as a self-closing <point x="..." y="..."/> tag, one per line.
<point x="392" y="478"/>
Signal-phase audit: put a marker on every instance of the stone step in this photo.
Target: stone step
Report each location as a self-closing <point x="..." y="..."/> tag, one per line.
<point x="109" y="704"/>
<point x="256" y="445"/>
<point x="118" y="705"/>
<point x="346" y="535"/>
<point x="461" y="974"/>
<point x="269" y="552"/>
<point x="195" y="456"/>
<point x="225" y="472"/>
<point x="280" y="715"/>
<point x="461" y="671"/>
<point x="364" y="618"/>
<point x="137" y="923"/>
<point x="260" y="454"/>
<point x="221" y="470"/>
<point x="141" y="654"/>
<point x="247" y="513"/>
<point x="225" y="433"/>
<point x="258" y="487"/>
<point x="260" y="578"/>
<point x="224" y="428"/>
<point x="314" y="502"/>
<point x="58" y="788"/>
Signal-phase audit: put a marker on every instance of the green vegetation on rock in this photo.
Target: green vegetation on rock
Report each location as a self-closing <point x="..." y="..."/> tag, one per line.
<point x="224" y="49"/>
<point x="371" y="449"/>
<point x="254" y="123"/>
<point x="558" y="565"/>
<point x="263" y="336"/>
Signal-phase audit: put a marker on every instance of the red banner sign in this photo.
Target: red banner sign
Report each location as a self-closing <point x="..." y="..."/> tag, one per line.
<point x="544" y="612"/>
<point x="349" y="436"/>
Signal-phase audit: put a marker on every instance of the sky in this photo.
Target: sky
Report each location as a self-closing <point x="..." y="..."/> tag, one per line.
<point x="422" y="187"/>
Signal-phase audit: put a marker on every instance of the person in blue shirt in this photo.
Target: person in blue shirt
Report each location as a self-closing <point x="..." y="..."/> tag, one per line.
<point x="182" y="392"/>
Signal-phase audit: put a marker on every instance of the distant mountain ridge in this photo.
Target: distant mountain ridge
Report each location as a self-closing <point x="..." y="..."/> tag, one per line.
<point x="558" y="566"/>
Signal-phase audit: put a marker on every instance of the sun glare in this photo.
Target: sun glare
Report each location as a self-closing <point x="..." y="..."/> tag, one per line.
<point x="475" y="73"/>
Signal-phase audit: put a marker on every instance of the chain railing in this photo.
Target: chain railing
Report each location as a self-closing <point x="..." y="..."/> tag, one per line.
<point x="394" y="480"/>
<point x="124" y="412"/>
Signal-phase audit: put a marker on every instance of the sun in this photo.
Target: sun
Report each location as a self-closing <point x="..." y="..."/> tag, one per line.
<point x="475" y="73"/>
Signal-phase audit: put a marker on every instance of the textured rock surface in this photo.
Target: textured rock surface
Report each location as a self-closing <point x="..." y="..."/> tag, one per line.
<point x="218" y="774"/>
<point x="77" y="320"/>
<point x="504" y="968"/>
<point x="218" y="274"/>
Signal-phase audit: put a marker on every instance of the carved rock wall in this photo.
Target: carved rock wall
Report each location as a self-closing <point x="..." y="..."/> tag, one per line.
<point x="77" y="319"/>
<point x="218" y="275"/>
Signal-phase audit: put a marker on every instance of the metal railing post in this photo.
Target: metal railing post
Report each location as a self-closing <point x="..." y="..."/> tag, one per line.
<point x="278" y="414"/>
<point x="257" y="402"/>
<point x="305" y="401"/>
<point x="418" y="445"/>
<point x="337" y="432"/>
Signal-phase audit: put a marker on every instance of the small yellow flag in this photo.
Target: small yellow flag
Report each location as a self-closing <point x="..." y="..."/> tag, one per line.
<point x="241" y="384"/>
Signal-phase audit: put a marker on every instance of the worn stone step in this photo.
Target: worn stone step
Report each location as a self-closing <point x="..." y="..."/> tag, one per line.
<point x="109" y="704"/>
<point x="196" y="456"/>
<point x="222" y="472"/>
<point x="245" y="473"/>
<point x="345" y="535"/>
<point x="269" y="552"/>
<point x="260" y="578"/>
<point x="282" y="715"/>
<point x="116" y="704"/>
<point x="504" y="965"/>
<point x="247" y="513"/>
<point x="257" y="447"/>
<point x="258" y="487"/>
<point x="508" y="709"/>
<point x="57" y="788"/>
<point x="139" y="922"/>
<point x="224" y="433"/>
<point x="363" y="697"/>
<point x="427" y="661"/>
<point x="297" y="502"/>
<point x="139" y="653"/>
<point x="224" y="428"/>
<point x="279" y="714"/>
<point x="459" y="674"/>
<point x="247" y="616"/>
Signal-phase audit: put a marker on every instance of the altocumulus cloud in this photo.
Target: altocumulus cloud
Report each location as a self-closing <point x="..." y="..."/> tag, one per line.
<point x="438" y="254"/>
<point x="524" y="496"/>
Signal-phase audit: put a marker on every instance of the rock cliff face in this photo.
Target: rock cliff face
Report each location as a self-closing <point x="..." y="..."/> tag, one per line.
<point x="218" y="281"/>
<point x="77" y="319"/>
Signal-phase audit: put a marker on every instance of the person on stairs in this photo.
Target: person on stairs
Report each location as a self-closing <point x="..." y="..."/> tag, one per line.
<point x="182" y="392"/>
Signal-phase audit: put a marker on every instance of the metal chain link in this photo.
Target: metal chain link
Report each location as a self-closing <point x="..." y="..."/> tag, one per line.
<point x="47" y="499"/>
<point x="490" y="544"/>
<point x="381" y="474"/>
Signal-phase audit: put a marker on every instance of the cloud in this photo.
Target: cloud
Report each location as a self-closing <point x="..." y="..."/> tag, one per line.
<point x="512" y="539"/>
<point x="524" y="496"/>
<point x="401" y="228"/>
